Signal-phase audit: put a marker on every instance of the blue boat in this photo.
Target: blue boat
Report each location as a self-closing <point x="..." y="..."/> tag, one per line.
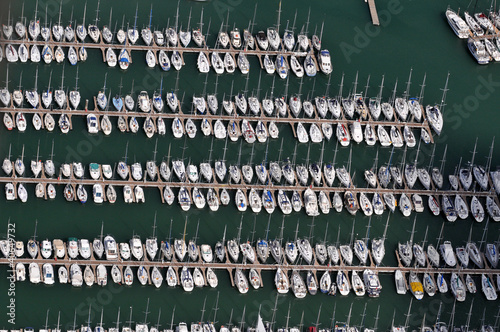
<point x="118" y="103"/>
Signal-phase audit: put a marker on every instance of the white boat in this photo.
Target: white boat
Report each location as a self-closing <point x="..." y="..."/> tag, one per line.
<point x="298" y="286"/>
<point x="435" y="118"/>
<point x="241" y="281"/>
<point x="429" y="284"/>
<point x="491" y="254"/>
<point x="243" y="63"/>
<point x="457" y="287"/>
<point x="171" y="277"/>
<point x="492" y="208"/>
<point x="488" y="288"/>
<point x="447" y="253"/>
<point x="342" y="283"/>
<point x="324" y="61"/>
<point x="400" y="282"/>
<point x="357" y="284"/>
<point x="457" y="24"/>
<point x="433" y="255"/>
<point x="474" y="254"/>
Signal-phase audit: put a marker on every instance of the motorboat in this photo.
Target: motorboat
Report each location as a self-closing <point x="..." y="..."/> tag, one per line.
<point x="447" y="253"/>
<point x="372" y="283"/>
<point x="457" y="24"/>
<point x="400" y="282"/>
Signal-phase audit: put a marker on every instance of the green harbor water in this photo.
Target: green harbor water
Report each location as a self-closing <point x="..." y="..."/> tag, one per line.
<point x="412" y="35"/>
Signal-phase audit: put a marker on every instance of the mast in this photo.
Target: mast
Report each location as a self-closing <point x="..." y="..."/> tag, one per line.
<point x="172" y="320"/>
<point x="366" y="87"/>
<point x="355" y="83"/>
<point x="422" y="88"/>
<point x="376" y="320"/>
<point x="47" y="319"/>
<point x="118" y="320"/>
<point x="74" y="321"/>
<point x="130" y="319"/>
<point x="341" y="86"/>
<point x="146" y="313"/>
<point x="386" y="226"/>
<point x="379" y="96"/>
<point x="58" y="319"/>
<point x="319" y="313"/>
<point x="393" y="98"/>
<point x="158" y="322"/>
<point x="408" y="314"/>
<point x="408" y="83"/>
<point x="216" y="308"/>
<point x="279" y="17"/>
<point x="413" y="229"/>
<point x="443" y="98"/>
<point x="102" y="311"/>
<point x="488" y="163"/>
<point x="242" y="323"/>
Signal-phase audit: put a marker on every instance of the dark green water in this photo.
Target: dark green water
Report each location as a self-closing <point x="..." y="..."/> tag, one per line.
<point x="413" y="34"/>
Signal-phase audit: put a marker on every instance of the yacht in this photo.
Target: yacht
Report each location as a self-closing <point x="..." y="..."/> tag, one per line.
<point x="488" y="288"/>
<point x="180" y="249"/>
<point x="357" y="284"/>
<point x="342" y="283"/>
<point x="447" y="253"/>
<point x="128" y="276"/>
<point x="351" y="203"/>
<point x="491" y="254"/>
<point x="435" y="118"/>
<point x="470" y="284"/>
<point x="75" y="275"/>
<point x="187" y="281"/>
<point x="457" y="287"/>
<point x="448" y="208"/>
<point x="110" y="248"/>
<point x="474" y="254"/>
<point x="400" y="282"/>
<point x="492" y="208"/>
<point x="372" y="283"/>
<point x="361" y="251"/>
<point x="346" y="253"/>
<point x="88" y="276"/>
<point x="378" y="250"/>
<point x="442" y="285"/>
<point x="136" y="247"/>
<point x="325" y="63"/>
<point x="291" y="251"/>
<point x="124" y="250"/>
<point x="405" y="252"/>
<point x="457" y="24"/>
<point x="241" y="281"/>
<point x="416" y="286"/>
<point x="433" y="255"/>
<point x="429" y="284"/>
<point x="419" y="254"/>
<point x="298" y="285"/>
